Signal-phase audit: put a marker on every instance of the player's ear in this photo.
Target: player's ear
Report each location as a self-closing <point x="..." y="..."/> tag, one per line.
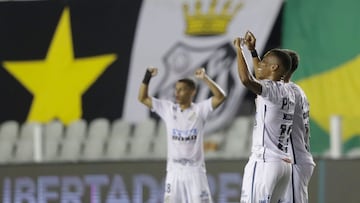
<point x="274" y="67"/>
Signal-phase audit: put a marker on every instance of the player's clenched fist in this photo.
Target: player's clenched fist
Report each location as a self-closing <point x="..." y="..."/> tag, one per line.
<point x="250" y="40"/>
<point x="237" y="42"/>
<point x="153" y="70"/>
<point x="200" y="73"/>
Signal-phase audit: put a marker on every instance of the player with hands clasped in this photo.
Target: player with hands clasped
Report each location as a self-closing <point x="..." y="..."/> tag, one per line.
<point x="267" y="172"/>
<point x="186" y="179"/>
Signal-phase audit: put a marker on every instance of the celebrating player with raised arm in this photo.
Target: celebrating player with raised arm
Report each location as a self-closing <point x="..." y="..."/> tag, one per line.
<point x="186" y="179"/>
<point x="267" y="173"/>
<point x="303" y="163"/>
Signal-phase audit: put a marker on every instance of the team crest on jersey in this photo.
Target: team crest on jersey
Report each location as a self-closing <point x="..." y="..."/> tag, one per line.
<point x="183" y="59"/>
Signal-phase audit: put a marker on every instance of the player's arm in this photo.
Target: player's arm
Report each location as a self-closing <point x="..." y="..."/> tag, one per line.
<point x="245" y="76"/>
<point x="250" y="42"/>
<point x="143" y="96"/>
<point x="219" y="94"/>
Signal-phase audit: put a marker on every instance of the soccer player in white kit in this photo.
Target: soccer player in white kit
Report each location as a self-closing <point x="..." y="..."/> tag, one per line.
<point x="267" y="173"/>
<point x="303" y="163"/>
<point x="186" y="180"/>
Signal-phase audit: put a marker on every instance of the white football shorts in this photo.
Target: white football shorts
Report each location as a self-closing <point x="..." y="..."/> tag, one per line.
<point x="265" y="182"/>
<point x="187" y="184"/>
<point x="298" y="187"/>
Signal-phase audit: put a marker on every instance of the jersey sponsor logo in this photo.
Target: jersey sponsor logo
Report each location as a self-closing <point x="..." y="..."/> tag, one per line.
<point x="184" y="138"/>
<point x="184" y="135"/>
<point x="286" y="102"/>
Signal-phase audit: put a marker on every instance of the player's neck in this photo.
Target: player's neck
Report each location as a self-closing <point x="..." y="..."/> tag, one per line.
<point x="184" y="106"/>
<point x="275" y="78"/>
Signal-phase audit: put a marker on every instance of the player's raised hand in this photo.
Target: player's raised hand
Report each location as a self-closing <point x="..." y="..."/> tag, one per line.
<point x="250" y="40"/>
<point x="153" y="70"/>
<point x="237" y="42"/>
<point x="200" y="73"/>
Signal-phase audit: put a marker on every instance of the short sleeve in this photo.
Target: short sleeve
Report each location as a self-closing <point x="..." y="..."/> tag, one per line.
<point x="205" y="108"/>
<point x="272" y="90"/>
<point x="159" y="106"/>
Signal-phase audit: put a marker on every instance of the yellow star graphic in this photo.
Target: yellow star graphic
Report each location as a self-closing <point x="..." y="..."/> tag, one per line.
<point x="59" y="81"/>
<point x="336" y="92"/>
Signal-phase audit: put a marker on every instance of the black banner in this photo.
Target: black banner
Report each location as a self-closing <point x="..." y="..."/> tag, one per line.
<point x="97" y="28"/>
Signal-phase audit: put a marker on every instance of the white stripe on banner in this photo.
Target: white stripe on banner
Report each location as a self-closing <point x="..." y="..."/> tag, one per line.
<point x="161" y="41"/>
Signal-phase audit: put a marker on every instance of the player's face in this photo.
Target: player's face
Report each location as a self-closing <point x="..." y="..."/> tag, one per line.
<point x="183" y="93"/>
<point x="263" y="71"/>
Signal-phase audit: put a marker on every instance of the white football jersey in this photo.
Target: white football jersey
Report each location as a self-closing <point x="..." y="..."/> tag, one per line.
<point x="274" y="119"/>
<point x="300" y="135"/>
<point x="185" y="131"/>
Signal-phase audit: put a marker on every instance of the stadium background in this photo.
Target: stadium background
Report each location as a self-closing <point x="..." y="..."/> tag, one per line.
<point x="106" y="46"/>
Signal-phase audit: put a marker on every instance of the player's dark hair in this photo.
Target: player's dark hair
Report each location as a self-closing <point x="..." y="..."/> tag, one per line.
<point x="284" y="58"/>
<point x="189" y="82"/>
<point x="295" y="59"/>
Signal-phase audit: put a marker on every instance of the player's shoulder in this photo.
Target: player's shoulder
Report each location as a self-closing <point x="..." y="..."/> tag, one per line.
<point x="201" y="104"/>
<point x="269" y="82"/>
<point x="275" y="91"/>
<point x="280" y="86"/>
<point x="271" y="85"/>
<point x="275" y="84"/>
<point x="297" y="88"/>
<point x="163" y="101"/>
<point x="294" y="85"/>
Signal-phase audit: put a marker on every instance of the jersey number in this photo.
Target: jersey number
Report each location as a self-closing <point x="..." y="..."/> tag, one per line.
<point x="168" y="188"/>
<point x="284" y="137"/>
